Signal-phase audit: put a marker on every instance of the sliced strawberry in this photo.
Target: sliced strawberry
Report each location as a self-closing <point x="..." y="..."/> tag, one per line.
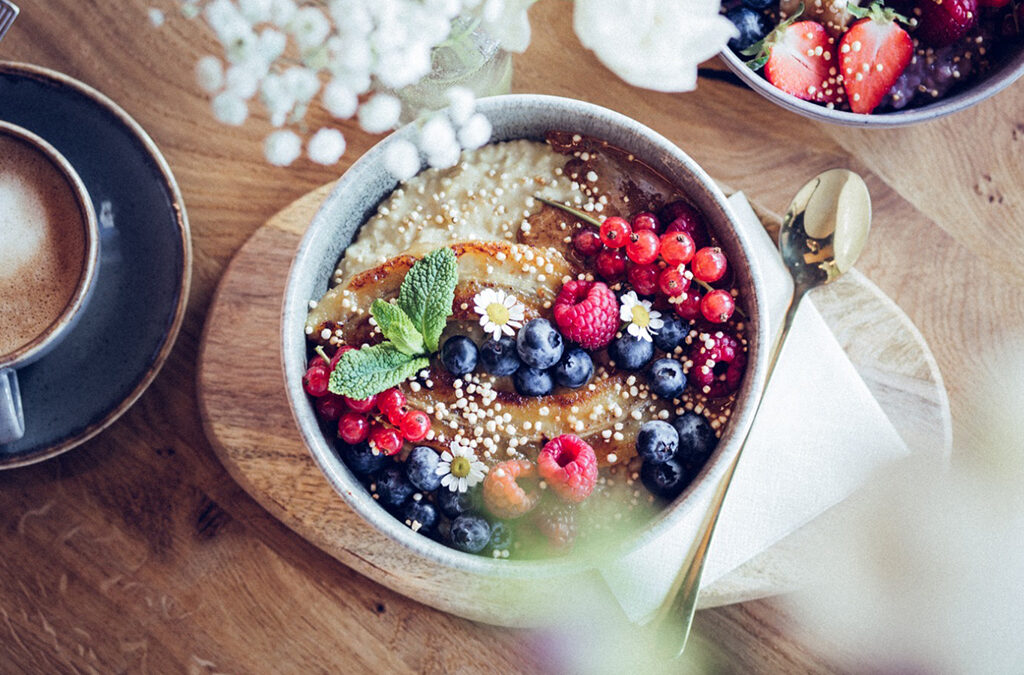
<point x="872" y="55"/>
<point x="943" y="22"/>
<point x="802" y="62"/>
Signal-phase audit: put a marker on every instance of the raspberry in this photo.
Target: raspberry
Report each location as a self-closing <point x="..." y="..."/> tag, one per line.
<point x="569" y="465"/>
<point x="504" y="497"/>
<point x="709" y="356"/>
<point x="557" y="522"/>
<point x="587" y="313"/>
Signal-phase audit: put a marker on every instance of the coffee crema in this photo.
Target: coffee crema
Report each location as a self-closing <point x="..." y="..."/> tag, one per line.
<point x="42" y="243"/>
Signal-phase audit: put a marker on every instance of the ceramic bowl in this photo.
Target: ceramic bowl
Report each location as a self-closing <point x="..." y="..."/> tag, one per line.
<point x="367" y="183"/>
<point x="990" y="84"/>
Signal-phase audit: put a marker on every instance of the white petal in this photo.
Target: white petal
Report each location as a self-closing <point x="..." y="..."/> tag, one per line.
<point x="447" y="481"/>
<point x="645" y="335"/>
<point x="447" y="456"/>
<point x="633" y="330"/>
<point x="509" y="301"/>
<point x="463" y="485"/>
<point x="626" y="313"/>
<point x="656" y="324"/>
<point x="507" y="330"/>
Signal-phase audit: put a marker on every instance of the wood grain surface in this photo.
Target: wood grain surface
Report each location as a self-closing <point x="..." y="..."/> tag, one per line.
<point x="249" y="423"/>
<point x="138" y="552"/>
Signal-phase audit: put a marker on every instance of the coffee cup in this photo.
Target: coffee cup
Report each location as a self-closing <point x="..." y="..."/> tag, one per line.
<point x="49" y="257"/>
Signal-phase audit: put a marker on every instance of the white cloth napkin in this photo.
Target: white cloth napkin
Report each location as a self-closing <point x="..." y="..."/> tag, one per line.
<point x="818" y="436"/>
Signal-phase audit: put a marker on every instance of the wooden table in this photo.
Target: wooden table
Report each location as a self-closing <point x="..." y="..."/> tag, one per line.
<point x="137" y="552"/>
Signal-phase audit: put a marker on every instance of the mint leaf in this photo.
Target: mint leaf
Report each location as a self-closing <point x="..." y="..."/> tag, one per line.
<point x="397" y="327"/>
<point x="428" y="292"/>
<point x="364" y="372"/>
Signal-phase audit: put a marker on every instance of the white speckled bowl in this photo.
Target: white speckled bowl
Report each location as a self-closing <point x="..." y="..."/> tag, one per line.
<point x="990" y="84"/>
<point x="356" y="197"/>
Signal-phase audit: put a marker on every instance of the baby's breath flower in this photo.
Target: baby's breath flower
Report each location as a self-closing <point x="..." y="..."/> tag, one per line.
<point x="475" y="132"/>
<point x="380" y="113"/>
<point x="326" y="147"/>
<point x="339" y="100"/>
<point x="310" y="28"/>
<point x="461" y="104"/>
<point x="230" y="109"/>
<point x="402" y="159"/>
<point x="255" y="11"/>
<point x="282" y="11"/>
<point x="242" y="80"/>
<point x="283" y="147"/>
<point x="301" y="83"/>
<point x="210" y="74"/>
<point x="438" y="141"/>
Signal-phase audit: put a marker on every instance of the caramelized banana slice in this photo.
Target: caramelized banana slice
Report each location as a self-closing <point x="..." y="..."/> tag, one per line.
<point x="534" y="275"/>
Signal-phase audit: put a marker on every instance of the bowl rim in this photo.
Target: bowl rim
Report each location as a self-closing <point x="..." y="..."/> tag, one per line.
<point x="970" y="96"/>
<point x="293" y="340"/>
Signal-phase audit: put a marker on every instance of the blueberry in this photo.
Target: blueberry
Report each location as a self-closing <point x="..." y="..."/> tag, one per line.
<point x="539" y="344"/>
<point x="666" y="378"/>
<point x="360" y="458"/>
<point x="575" y="369"/>
<point x="630" y="353"/>
<point x="672" y="334"/>
<point x="499" y="357"/>
<point x="751" y="26"/>
<point x="758" y="4"/>
<point x="392" y="487"/>
<point x="657" y="441"/>
<point x="459" y="355"/>
<point x="469" y="533"/>
<point x="501" y="536"/>
<point x="664" y="479"/>
<point x="453" y="504"/>
<point x="420" y="515"/>
<point x="530" y="381"/>
<point x="696" y="438"/>
<point x="421" y="468"/>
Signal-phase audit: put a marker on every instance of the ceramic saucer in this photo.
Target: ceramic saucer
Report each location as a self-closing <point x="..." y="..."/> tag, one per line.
<point x="102" y="367"/>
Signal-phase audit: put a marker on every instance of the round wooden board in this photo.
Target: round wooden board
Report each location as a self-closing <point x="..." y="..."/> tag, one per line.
<point x="248" y="421"/>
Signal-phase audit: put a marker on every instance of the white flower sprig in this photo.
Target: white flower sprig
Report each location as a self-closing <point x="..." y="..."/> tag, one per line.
<point x="459" y="468"/>
<point x="352" y="56"/>
<point x="641" y="320"/>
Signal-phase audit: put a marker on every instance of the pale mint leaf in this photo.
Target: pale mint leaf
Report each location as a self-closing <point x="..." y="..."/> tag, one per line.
<point x="397" y="327"/>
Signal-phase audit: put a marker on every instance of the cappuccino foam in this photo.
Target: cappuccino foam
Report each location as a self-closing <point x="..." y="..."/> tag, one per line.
<point x="42" y="243"/>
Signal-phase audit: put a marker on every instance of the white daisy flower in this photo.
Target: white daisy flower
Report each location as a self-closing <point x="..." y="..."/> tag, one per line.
<point x="641" y="318"/>
<point x="499" y="312"/>
<point x="460" y="469"/>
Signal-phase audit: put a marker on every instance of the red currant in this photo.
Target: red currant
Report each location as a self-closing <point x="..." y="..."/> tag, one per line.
<point x="644" y="278"/>
<point x="415" y="426"/>
<point x="385" y="439"/>
<point x="330" y="407"/>
<point x="338" y="354"/>
<point x="677" y="248"/>
<point x="390" y="400"/>
<point x="717" y="306"/>
<point x="688" y="306"/>
<point x="353" y="428"/>
<point x="646" y="221"/>
<point x="682" y="217"/>
<point x="615" y="232"/>
<point x="610" y="264"/>
<point x="642" y="247"/>
<point x="396" y="415"/>
<point x="587" y="242"/>
<point x="316" y="378"/>
<point x="709" y="264"/>
<point x="361" y="405"/>
<point x="672" y="282"/>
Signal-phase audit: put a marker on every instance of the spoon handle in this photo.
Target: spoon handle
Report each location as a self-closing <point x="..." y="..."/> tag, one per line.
<point x="674" y="617"/>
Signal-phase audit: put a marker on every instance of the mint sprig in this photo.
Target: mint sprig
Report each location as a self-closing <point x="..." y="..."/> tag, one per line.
<point x="412" y="329"/>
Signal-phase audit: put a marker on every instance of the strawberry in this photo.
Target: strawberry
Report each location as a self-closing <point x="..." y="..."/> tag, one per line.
<point x="943" y="22"/>
<point x="800" y="59"/>
<point x="872" y="55"/>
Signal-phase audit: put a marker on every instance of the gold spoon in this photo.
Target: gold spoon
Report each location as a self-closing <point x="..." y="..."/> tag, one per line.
<point x="822" y="235"/>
